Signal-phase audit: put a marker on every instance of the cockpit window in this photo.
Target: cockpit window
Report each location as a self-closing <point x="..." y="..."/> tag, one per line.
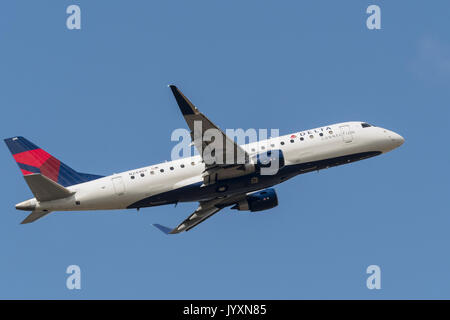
<point x="365" y="125"/>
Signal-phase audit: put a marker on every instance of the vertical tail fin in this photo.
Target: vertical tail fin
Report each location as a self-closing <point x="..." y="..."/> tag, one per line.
<point x="32" y="159"/>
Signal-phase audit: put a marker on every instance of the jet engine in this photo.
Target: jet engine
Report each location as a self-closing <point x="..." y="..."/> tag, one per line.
<point x="258" y="201"/>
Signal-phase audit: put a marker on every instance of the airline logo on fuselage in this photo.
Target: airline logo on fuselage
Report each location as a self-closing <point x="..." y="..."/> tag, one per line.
<point x="317" y="130"/>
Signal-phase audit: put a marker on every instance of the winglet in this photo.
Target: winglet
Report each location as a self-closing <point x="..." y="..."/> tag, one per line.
<point x="162" y="228"/>
<point x="185" y="105"/>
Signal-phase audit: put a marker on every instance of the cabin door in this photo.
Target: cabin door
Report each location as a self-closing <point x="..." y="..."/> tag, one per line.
<point x="119" y="186"/>
<point x="347" y="136"/>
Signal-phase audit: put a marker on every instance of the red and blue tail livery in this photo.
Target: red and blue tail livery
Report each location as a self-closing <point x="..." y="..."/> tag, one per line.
<point x="32" y="159"/>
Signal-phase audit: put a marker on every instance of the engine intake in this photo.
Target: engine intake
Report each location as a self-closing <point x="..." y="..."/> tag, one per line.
<point x="258" y="201"/>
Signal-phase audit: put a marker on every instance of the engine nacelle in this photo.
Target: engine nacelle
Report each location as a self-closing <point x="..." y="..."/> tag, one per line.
<point x="258" y="201"/>
<point x="269" y="162"/>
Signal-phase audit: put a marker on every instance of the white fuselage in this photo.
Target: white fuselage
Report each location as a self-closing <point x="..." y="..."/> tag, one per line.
<point x="119" y="191"/>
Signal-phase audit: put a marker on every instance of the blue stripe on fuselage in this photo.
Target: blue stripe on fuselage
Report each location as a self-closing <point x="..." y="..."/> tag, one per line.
<point x="195" y="191"/>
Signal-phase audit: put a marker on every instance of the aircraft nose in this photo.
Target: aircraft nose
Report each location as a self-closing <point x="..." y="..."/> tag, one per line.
<point x="397" y="139"/>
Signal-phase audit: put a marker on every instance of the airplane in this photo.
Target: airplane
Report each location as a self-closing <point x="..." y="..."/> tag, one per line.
<point x="214" y="184"/>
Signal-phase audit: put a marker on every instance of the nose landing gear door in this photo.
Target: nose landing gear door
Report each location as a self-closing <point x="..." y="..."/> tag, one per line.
<point x="347" y="136"/>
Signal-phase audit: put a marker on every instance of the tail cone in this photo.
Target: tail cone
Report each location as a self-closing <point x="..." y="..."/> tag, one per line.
<point x="28" y="205"/>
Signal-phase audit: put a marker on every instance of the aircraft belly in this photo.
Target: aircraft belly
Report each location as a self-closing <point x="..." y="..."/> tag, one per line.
<point x="198" y="192"/>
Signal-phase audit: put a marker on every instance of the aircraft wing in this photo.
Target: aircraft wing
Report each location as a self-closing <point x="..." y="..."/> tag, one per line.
<point x="205" y="210"/>
<point x="229" y="155"/>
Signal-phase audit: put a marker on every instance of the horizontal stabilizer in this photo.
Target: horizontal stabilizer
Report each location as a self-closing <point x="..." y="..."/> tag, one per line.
<point x="162" y="228"/>
<point x="33" y="216"/>
<point x="45" y="189"/>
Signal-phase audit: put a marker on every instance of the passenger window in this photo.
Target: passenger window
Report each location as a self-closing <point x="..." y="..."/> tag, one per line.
<point x="171" y="168"/>
<point x="262" y="148"/>
<point x="193" y="163"/>
<point x="152" y="172"/>
<point x="301" y="138"/>
<point x="292" y="140"/>
<point x="132" y="177"/>
<point x="272" y="145"/>
<point x="321" y="134"/>
<point x="282" y="143"/>
<point x="330" y="132"/>
<point x="162" y="170"/>
<point x="182" y="165"/>
<point x="253" y="149"/>
<point x="311" y="136"/>
<point x="365" y="125"/>
<point x="142" y="175"/>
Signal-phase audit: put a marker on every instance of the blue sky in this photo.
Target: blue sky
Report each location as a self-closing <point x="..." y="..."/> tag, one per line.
<point x="97" y="99"/>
